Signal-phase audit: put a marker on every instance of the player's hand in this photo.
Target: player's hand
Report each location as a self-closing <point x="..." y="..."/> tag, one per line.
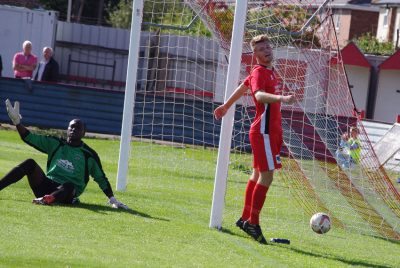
<point x="13" y="112"/>
<point x="116" y="204"/>
<point x="220" y="111"/>
<point x="289" y="99"/>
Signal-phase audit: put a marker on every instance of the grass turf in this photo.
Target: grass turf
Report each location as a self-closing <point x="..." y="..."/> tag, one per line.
<point x="170" y="194"/>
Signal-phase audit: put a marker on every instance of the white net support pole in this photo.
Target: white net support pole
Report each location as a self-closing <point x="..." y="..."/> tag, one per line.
<point x="130" y="89"/>
<point x="232" y="79"/>
<point x="69" y="10"/>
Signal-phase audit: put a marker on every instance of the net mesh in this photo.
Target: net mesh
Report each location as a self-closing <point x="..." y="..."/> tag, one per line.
<point x="387" y="149"/>
<point x="183" y="78"/>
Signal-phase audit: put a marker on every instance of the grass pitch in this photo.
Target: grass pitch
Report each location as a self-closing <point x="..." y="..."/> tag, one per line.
<point x="169" y="192"/>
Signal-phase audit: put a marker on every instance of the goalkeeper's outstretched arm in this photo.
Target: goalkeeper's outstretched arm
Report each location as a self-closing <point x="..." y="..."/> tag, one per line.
<point x="15" y="116"/>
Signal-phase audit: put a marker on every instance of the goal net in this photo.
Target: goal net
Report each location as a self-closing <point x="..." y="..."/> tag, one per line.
<point x="387" y="150"/>
<point x="183" y="62"/>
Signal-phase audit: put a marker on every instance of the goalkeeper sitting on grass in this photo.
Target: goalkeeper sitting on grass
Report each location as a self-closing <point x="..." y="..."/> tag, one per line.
<point x="69" y="164"/>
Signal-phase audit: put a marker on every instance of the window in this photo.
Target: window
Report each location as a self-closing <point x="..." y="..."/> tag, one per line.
<point x="385" y="18"/>
<point x="336" y="18"/>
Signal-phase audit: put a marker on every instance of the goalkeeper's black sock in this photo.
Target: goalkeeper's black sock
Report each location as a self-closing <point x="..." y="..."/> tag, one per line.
<point x="17" y="173"/>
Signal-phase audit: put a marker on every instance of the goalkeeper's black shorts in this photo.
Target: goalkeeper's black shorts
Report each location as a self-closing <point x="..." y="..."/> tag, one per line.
<point x="48" y="186"/>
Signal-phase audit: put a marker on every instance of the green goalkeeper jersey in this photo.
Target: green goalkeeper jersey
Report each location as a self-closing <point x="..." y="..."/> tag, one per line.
<point x="66" y="163"/>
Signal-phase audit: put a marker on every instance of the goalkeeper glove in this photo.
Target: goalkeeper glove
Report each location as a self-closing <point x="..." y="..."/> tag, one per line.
<point x="13" y="112"/>
<point x="116" y="204"/>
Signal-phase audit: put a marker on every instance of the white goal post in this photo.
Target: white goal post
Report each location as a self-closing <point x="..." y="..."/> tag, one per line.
<point x="130" y="88"/>
<point x="225" y="139"/>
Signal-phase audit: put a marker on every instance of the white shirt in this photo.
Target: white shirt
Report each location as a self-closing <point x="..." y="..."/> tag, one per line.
<point x="42" y="65"/>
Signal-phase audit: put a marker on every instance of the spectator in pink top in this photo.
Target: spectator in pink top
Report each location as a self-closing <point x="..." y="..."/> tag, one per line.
<point x="24" y="62"/>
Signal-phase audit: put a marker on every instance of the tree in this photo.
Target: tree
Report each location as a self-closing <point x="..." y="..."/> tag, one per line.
<point x="86" y="11"/>
<point x="157" y="12"/>
<point x="120" y="16"/>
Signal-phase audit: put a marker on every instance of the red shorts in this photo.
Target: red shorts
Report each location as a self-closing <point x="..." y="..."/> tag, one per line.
<point x="266" y="151"/>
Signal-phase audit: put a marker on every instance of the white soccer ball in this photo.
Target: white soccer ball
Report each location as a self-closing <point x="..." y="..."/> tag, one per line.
<point x="320" y="223"/>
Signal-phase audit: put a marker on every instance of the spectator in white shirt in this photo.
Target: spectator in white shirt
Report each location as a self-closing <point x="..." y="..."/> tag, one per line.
<point x="48" y="67"/>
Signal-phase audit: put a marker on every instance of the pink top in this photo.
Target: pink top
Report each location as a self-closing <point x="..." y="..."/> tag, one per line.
<point x="20" y="58"/>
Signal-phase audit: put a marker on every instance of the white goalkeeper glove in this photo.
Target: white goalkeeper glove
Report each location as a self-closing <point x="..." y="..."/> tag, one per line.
<point x="116" y="204"/>
<point x="13" y="112"/>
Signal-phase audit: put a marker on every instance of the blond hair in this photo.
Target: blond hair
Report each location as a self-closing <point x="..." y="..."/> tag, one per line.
<point x="262" y="38"/>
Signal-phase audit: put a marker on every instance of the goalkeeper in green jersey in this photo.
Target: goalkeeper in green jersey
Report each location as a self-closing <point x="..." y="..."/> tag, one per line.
<point x="70" y="162"/>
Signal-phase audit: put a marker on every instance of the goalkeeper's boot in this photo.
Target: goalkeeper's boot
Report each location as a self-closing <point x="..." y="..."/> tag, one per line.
<point x="240" y="223"/>
<point x="254" y="230"/>
<point x="45" y="200"/>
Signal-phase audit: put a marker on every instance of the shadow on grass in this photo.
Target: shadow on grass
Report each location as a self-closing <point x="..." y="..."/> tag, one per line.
<point x="96" y="208"/>
<point x="313" y="254"/>
<point x="334" y="258"/>
<point x="103" y="208"/>
<point x="93" y="207"/>
<point x="397" y="242"/>
<point x="228" y="231"/>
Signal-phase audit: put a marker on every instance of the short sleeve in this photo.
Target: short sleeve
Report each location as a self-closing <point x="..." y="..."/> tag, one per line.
<point x="257" y="81"/>
<point x="246" y="81"/>
<point x="15" y="59"/>
<point x="262" y="79"/>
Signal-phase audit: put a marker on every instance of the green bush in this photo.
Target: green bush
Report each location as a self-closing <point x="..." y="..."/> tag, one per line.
<point x="176" y="14"/>
<point x="369" y="44"/>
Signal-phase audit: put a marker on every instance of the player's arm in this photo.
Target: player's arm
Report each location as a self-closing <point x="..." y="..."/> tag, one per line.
<point x="264" y="97"/>
<point x="96" y="171"/>
<point x="221" y="110"/>
<point x="259" y="85"/>
<point x="22" y="131"/>
<point x="42" y="143"/>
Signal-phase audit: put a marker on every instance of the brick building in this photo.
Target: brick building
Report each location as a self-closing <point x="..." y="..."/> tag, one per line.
<point x="389" y="21"/>
<point x="354" y="18"/>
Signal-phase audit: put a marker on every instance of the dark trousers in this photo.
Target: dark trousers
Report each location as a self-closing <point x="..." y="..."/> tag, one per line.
<point x="39" y="183"/>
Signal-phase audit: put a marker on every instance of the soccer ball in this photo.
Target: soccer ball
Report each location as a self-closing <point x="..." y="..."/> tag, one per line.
<point x="320" y="223"/>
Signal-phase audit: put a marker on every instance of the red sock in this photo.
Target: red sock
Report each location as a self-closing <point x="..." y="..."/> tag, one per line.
<point x="248" y="194"/>
<point x="257" y="202"/>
